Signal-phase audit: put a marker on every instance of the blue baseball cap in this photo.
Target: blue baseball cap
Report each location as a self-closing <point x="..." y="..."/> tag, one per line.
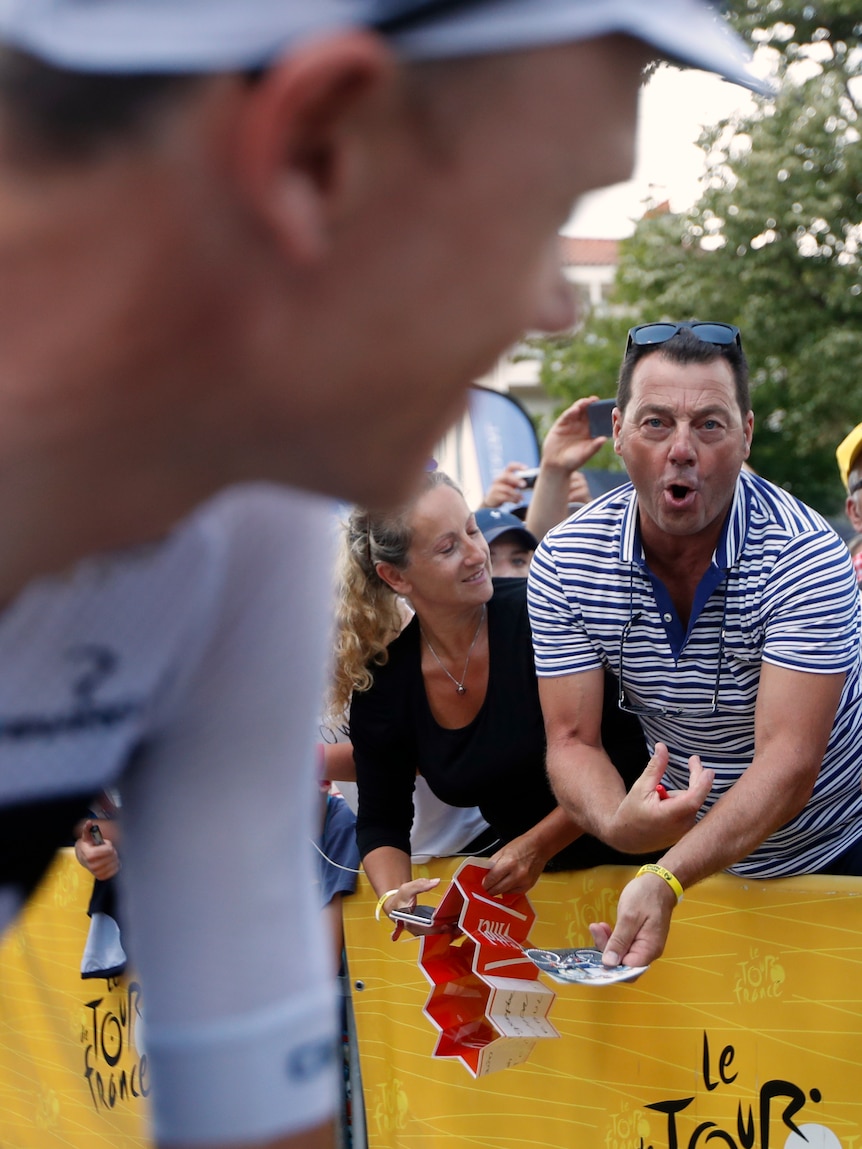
<point x="226" y="35"/>
<point x="493" y="522"/>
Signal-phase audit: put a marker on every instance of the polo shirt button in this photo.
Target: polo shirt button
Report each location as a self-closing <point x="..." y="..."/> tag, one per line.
<point x="667" y="617"/>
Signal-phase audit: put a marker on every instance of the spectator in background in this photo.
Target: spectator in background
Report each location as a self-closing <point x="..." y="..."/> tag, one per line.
<point x="854" y="546"/>
<point x="562" y="483"/>
<point x="338" y="862"/>
<point x="507" y="489"/>
<point x="510" y="543"/>
<point x="337" y="871"/>
<point x="96" y="848"/>
<point x="567" y="446"/>
<point x="849" y="455"/>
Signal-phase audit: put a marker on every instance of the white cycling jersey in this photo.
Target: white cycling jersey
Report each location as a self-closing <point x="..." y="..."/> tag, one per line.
<point x="188" y="674"/>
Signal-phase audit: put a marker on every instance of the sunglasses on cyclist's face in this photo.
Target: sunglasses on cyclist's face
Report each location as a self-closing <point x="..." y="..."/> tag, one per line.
<point x="652" y="334"/>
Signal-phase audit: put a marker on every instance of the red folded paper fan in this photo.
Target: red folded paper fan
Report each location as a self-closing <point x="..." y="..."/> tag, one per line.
<point x="486" y="998"/>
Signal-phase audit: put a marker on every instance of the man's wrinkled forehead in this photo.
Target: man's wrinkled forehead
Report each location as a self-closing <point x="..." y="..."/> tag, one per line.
<point x="226" y="35"/>
<point x="660" y="383"/>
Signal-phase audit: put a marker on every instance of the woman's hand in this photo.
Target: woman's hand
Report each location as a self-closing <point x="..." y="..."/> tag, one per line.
<point x="404" y="898"/>
<point x="515" y="868"/>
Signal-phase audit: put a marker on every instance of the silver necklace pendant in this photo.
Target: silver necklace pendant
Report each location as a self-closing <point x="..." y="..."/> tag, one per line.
<point x="460" y="688"/>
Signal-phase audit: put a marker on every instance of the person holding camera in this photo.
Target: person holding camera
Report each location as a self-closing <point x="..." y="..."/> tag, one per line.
<point x="558" y="485"/>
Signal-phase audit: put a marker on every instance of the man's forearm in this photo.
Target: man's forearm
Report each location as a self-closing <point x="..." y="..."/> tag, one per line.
<point x="794" y="717"/>
<point x="762" y="800"/>
<point x="744" y="817"/>
<point x="550" y="502"/>
<point x="586" y="784"/>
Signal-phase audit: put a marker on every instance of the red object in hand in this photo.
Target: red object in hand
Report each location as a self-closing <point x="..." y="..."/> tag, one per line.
<point x="660" y="790"/>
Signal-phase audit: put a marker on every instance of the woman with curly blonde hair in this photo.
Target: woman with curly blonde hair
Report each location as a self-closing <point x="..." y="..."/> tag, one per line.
<point x="453" y="697"/>
<point x="370" y="614"/>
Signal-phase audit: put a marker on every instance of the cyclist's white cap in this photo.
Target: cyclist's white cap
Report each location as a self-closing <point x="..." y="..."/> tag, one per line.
<point x="226" y="35"/>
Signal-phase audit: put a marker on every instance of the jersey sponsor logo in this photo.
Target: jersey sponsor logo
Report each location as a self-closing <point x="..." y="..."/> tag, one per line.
<point x="93" y="666"/>
<point x="310" y="1059"/>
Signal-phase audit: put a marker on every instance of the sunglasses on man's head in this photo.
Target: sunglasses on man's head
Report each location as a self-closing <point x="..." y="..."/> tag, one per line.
<point x="652" y="334"/>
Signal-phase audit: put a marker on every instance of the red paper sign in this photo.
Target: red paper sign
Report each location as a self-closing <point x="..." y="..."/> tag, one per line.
<point x="486" y="997"/>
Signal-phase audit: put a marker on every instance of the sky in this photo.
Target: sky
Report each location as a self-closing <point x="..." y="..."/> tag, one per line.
<point x="675" y="106"/>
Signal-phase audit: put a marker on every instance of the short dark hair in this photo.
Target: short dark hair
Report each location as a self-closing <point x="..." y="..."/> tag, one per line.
<point x="60" y="114"/>
<point x="54" y="113"/>
<point x="684" y="348"/>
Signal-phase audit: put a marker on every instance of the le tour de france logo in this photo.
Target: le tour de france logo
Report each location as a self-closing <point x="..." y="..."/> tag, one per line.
<point x="782" y="1114"/>
<point x="115" y="1063"/>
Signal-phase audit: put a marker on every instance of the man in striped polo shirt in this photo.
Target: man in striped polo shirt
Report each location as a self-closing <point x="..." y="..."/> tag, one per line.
<point x="729" y="612"/>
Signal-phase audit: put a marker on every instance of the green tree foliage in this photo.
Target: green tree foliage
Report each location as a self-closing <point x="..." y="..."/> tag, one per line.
<point x="774" y="244"/>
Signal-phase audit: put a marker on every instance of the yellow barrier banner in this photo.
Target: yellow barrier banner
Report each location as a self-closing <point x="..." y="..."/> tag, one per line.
<point x="73" y="1071"/>
<point x="746" y="1034"/>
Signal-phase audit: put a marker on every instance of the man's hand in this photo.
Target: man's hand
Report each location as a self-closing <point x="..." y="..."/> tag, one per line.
<point x="568" y="444"/>
<point x="102" y="861"/>
<point x="647" y="821"/>
<point x="579" y="488"/>
<point x="643" y="920"/>
<point x="566" y="448"/>
<point x="515" y="868"/>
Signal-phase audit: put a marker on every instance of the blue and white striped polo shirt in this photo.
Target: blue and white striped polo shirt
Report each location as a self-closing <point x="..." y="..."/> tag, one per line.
<point x="782" y="586"/>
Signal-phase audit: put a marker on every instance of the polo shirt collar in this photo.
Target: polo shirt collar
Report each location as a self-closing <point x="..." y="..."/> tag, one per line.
<point x="735" y="531"/>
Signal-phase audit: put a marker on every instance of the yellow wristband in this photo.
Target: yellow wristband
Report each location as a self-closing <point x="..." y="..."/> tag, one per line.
<point x="381" y="900"/>
<point x="661" y="872"/>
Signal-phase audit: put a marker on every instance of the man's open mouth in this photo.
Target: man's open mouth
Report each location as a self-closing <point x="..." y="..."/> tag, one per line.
<point x="680" y="495"/>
